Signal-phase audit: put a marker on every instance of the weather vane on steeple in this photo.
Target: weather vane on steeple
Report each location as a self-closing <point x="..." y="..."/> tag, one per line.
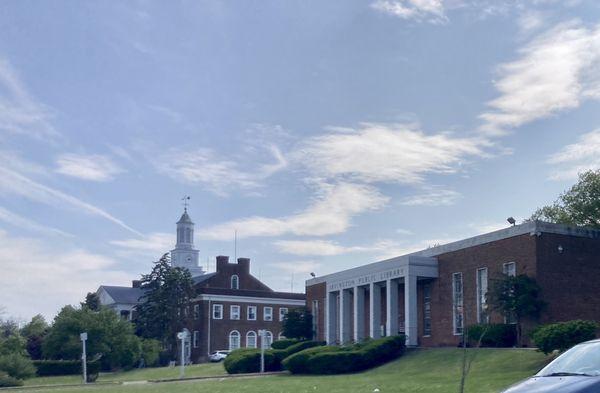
<point x="185" y="200"/>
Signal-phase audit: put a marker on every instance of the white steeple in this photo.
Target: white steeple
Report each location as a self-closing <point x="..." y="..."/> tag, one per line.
<point x="184" y="254"/>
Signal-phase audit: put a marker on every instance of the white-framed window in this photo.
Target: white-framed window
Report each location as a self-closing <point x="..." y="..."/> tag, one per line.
<point x="457" y="303"/>
<point x="510" y="269"/>
<point x="252" y="313"/>
<point x="196" y="311"/>
<point x="235" y="282"/>
<point x="282" y="312"/>
<point x="427" y="309"/>
<point x="195" y="338"/>
<point x="234" y="312"/>
<point x="482" y="289"/>
<point x="217" y="311"/>
<point x="251" y="339"/>
<point x="268" y="313"/>
<point x="268" y="340"/>
<point x="234" y="340"/>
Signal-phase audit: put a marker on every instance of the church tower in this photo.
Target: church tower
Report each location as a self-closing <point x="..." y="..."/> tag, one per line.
<point x="184" y="254"/>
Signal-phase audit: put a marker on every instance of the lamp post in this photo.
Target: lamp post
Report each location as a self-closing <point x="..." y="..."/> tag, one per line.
<point x="261" y="333"/>
<point x="83" y="337"/>
<point x="182" y="336"/>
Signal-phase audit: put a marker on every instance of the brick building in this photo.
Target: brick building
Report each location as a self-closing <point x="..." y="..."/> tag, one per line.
<point x="436" y="292"/>
<point x="230" y="306"/>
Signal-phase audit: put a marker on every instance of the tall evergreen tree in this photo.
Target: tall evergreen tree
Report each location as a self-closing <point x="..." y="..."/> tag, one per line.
<point x="298" y="324"/>
<point x="168" y="291"/>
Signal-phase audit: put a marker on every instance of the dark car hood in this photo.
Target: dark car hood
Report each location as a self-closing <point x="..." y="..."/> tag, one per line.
<point x="571" y="384"/>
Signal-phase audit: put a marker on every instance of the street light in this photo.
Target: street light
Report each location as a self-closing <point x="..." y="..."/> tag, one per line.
<point x="261" y="333"/>
<point x="511" y="221"/>
<point x="84" y="337"/>
<point x="183" y="337"/>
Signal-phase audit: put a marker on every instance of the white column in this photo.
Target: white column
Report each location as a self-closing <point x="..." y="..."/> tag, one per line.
<point x="391" y="290"/>
<point x="375" y="310"/>
<point x="344" y="316"/>
<point x="410" y="309"/>
<point x="359" y="313"/>
<point x="330" y="317"/>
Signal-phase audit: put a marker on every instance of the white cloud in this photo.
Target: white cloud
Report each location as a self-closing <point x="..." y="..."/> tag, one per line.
<point x="305" y="267"/>
<point x="402" y="231"/>
<point x="30" y="225"/>
<point x="12" y="182"/>
<point x="221" y="176"/>
<point x="92" y="167"/>
<point x="34" y="275"/>
<point x="329" y="248"/>
<point x="385" y="153"/>
<point x="329" y="213"/>
<point x="20" y="113"/>
<point x="153" y="245"/>
<point x="577" y="157"/>
<point x="419" y="10"/>
<point x="530" y="21"/>
<point x="432" y="197"/>
<point x="556" y="71"/>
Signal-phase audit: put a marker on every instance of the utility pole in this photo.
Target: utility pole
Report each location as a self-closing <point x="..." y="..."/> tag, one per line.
<point x="83" y="337"/>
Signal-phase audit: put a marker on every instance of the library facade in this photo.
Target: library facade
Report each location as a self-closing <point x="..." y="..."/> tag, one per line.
<point x="433" y="294"/>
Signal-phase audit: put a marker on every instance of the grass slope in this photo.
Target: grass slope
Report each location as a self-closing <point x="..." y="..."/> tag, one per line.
<point x="430" y="370"/>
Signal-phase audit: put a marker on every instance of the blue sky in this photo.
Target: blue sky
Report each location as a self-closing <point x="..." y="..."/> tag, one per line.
<point x="327" y="134"/>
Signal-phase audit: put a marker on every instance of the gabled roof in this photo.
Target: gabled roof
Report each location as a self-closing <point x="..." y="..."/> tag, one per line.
<point x="202" y="278"/>
<point x="123" y="295"/>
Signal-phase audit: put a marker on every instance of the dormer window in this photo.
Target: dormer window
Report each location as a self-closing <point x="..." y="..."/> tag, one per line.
<point x="235" y="282"/>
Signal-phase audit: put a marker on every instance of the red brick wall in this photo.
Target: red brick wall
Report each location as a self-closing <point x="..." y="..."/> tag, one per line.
<point x="317" y="292"/>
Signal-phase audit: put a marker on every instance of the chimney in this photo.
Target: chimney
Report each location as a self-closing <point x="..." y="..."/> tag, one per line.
<point x="244" y="264"/>
<point x="222" y="261"/>
<point x="136" y="283"/>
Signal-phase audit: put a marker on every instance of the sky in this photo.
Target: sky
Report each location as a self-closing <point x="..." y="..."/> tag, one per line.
<point x="327" y="134"/>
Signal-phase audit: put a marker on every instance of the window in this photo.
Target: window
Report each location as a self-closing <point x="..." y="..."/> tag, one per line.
<point x="217" y="311"/>
<point x="482" y="288"/>
<point x="235" y="282"/>
<point x="281" y="336"/>
<point x="282" y="312"/>
<point x="252" y="313"/>
<point x="196" y="336"/>
<point x="457" y="303"/>
<point x="126" y="315"/>
<point x="510" y="269"/>
<point x="180" y="235"/>
<point x="234" y="312"/>
<point x="196" y="311"/>
<point x="250" y="339"/>
<point x="268" y="313"/>
<point x="234" y="340"/>
<point x="188" y="235"/>
<point x="315" y="320"/>
<point x="427" y="309"/>
<point x="268" y="340"/>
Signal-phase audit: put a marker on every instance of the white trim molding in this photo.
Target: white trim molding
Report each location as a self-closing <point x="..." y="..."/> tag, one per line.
<point x="250" y="299"/>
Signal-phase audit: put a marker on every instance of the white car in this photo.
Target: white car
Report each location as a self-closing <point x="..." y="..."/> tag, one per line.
<point x="217" y="356"/>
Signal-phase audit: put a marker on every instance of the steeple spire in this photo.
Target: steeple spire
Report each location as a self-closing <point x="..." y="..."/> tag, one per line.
<point x="184" y="254"/>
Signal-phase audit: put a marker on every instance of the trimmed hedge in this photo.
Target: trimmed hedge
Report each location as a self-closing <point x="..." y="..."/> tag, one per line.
<point x="563" y="335"/>
<point x="248" y="360"/>
<point x="338" y="360"/>
<point x="497" y="335"/>
<point x="6" y="381"/>
<point x="64" y="367"/>
<point x="285" y="343"/>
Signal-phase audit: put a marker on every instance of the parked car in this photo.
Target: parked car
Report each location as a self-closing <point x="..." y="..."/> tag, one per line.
<point x="217" y="356"/>
<point x="575" y="371"/>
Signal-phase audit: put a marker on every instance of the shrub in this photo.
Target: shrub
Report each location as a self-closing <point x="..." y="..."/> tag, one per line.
<point x="164" y="357"/>
<point x="337" y="360"/>
<point x="563" y="335"/>
<point x="64" y="367"/>
<point x="248" y="360"/>
<point x="17" y="366"/>
<point x="283" y="344"/>
<point x="497" y="335"/>
<point x="151" y="351"/>
<point x="6" y="381"/>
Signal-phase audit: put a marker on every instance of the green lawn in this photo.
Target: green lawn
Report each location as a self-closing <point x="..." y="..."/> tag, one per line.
<point x="198" y="370"/>
<point x="429" y="370"/>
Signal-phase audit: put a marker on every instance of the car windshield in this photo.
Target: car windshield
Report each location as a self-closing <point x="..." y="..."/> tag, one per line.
<point x="582" y="359"/>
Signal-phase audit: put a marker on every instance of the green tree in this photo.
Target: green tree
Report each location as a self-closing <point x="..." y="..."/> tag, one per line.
<point x="109" y="337"/>
<point x="167" y="292"/>
<point x="578" y="206"/>
<point x="297" y="323"/>
<point x="516" y="297"/>
<point x="92" y="301"/>
<point x="34" y="332"/>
